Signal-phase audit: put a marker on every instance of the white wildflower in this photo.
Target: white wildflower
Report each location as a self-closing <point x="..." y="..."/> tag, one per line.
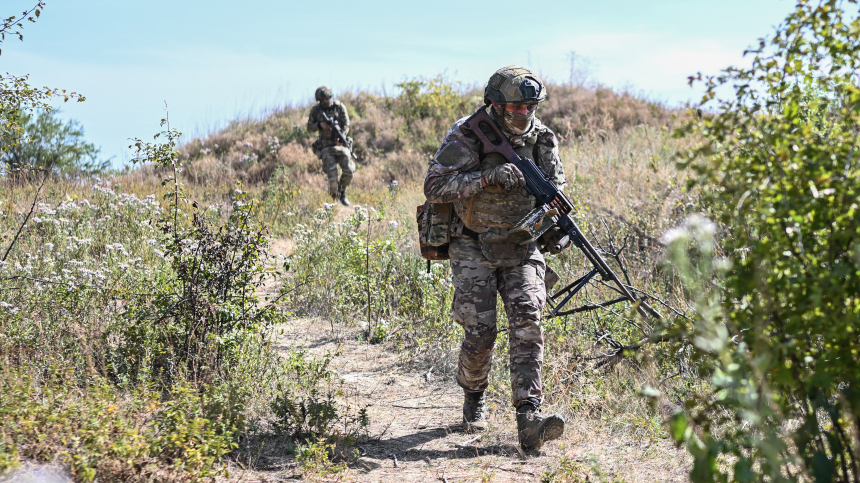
<point x="675" y="234"/>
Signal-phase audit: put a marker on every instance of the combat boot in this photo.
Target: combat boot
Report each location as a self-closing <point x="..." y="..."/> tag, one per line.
<point x="534" y="429"/>
<point x="474" y="406"/>
<point x="341" y="196"/>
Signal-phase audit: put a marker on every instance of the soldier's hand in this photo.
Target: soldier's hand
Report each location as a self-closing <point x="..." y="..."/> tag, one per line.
<point x="324" y="125"/>
<point x="506" y="175"/>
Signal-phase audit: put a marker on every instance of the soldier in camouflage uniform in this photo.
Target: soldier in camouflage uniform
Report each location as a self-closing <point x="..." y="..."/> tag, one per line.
<point x="489" y="198"/>
<point x="327" y="147"/>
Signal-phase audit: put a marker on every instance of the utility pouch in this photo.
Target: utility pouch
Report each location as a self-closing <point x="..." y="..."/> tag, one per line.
<point x="504" y="254"/>
<point x="434" y="230"/>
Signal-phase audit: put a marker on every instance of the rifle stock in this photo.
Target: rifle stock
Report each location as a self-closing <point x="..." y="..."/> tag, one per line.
<point x="552" y="198"/>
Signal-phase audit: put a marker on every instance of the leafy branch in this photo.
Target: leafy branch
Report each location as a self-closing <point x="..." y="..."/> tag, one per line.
<point x="15" y="21"/>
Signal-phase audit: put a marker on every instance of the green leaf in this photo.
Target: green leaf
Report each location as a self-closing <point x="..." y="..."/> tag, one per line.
<point x="678" y="426"/>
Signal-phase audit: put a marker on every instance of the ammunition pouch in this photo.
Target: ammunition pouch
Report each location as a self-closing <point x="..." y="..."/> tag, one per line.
<point x="434" y="230"/>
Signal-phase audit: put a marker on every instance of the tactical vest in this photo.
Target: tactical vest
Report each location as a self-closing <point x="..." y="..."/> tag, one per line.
<point x="329" y="138"/>
<point x="492" y="212"/>
<point x="494" y="207"/>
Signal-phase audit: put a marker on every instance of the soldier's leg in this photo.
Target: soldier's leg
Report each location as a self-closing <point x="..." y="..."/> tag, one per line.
<point x="347" y="167"/>
<point x="329" y="164"/>
<point x="475" y="287"/>
<point x="524" y="295"/>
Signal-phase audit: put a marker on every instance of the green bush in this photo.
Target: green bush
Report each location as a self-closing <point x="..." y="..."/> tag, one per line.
<point x="305" y="406"/>
<point x="196" y="322"/>
<point x="46" y="142"/>
<point x="777" y="329"/>
<point x="104" y="432"/>
<point x="436" y="98"/>
<point x="428" y="107"/>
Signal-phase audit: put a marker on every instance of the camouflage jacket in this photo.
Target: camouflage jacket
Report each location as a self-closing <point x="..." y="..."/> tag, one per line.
<point x="454" y="173"/>
<point x="336" y="111"/>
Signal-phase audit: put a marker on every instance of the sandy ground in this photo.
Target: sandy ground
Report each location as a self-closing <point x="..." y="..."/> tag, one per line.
<point x="415" y="433"/>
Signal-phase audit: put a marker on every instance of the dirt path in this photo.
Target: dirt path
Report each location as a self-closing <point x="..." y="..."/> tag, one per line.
<point x="415" y="433"/>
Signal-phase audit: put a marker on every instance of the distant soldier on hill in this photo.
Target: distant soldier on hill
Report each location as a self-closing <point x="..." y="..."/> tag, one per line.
<point x="328" y="147"/>
<point x="489" y="198"/>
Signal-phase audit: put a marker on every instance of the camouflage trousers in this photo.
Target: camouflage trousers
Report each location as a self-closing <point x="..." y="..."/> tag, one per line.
<point x="332" y="157"/>
<point x="476" y="283"/>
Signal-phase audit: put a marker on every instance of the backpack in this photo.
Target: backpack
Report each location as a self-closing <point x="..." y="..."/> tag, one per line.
<point x="434" y="230"/>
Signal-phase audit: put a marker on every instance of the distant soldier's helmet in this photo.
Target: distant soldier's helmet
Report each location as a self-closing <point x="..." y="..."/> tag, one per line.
<point x="514" y="85"/>
<point x="322" y="93"/>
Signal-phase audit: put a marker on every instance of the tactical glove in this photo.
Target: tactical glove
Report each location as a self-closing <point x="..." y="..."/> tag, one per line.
<point x="505" y="175"/>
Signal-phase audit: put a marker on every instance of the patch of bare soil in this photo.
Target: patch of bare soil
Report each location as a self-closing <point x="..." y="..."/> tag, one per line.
<point x="415" y="432"/>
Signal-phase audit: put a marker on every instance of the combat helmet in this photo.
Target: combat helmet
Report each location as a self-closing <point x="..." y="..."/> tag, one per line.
<point x="514" y="85"/>
<point x="322" y="93"/>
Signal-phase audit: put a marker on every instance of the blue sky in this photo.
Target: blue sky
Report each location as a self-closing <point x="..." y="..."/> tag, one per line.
<point x="216" y="60"/>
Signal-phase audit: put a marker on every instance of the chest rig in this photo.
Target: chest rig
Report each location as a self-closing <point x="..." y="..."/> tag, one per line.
<point x="329" y="138"/>
<point x="494" y="207"/>
<point x="492" y="212"/>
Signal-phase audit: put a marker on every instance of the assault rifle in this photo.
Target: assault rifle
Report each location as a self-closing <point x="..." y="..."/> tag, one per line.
<point x="334" y="125"/>
<point x="555" y="206"/>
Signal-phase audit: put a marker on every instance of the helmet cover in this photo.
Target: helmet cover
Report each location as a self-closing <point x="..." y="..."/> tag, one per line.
<point x="322" y="93"/>
<point x="514" y="85"/>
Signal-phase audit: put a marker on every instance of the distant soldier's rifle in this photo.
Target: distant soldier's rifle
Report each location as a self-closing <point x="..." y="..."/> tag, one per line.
<point x="334" y="125"/>
<point x="553" y="205"/>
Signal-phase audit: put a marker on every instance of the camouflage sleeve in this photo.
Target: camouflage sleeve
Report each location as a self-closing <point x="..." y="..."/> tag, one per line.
<point x="453" y="172"/>
<point x="549" y="161"/>
<point x="313" y="119"/>
<point x="343" y="119"/>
